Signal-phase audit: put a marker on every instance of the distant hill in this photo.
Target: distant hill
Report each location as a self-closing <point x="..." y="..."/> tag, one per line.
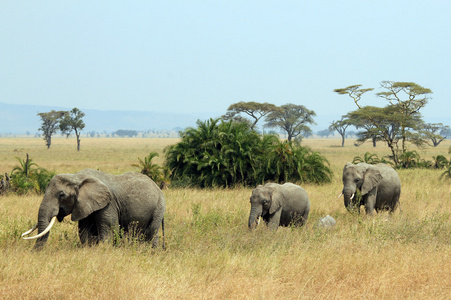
<point x="22" y="119"/>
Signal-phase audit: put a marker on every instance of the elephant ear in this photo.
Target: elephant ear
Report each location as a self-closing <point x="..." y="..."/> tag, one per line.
<point x="276" y="200"/>
<point x="371" y="179"/>
<point x="92" y="196"/>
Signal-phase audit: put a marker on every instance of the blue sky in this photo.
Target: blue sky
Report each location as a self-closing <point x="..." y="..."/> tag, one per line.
<point x="198" y="57"/>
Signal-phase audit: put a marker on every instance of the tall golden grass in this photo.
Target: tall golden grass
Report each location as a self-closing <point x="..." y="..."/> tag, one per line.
<point x="211" y="254"/>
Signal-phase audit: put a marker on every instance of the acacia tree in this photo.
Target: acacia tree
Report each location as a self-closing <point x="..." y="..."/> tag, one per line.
<point x="409" y="108"/>
<point x="398" y="121"/>
<point x="293" y="119"/>
<point x="72" y="121"/>
<point x="360" y="121"/>
<point x="254" y="110"/>
<point x="50" y="121"/>
<point x="436" y="132"/>
<point x="340" y="126"/>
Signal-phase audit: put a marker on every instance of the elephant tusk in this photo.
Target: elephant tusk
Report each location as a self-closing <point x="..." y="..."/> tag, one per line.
<point x="30" y="231"/>
<point x="259" y="219"/>
<point x="340" y="195"/>
<point x="352" y="196"/>
<point x="44" y="232"/>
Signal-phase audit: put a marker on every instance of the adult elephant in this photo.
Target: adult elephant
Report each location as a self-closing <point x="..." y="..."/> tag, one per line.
<point x="279" y="205"/>
<point x="100" y="201"/>
<point x="379" y="186"/>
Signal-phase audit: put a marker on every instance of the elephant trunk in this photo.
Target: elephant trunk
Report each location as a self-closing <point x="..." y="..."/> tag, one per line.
<point x="349" y="198"/>
<point x="256" y="212"/>
<point x="46" y="217"/>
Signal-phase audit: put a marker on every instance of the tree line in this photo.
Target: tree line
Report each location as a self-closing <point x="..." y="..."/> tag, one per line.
<point x="398" y="124"/>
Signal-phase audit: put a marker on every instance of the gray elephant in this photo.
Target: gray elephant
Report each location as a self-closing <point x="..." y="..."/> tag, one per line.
<point x="279" y="205"/>
<point x="99" y="202"/>
<point x="379" y="186"/>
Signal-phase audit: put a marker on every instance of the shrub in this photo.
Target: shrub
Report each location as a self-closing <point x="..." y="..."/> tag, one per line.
<point x="408" y="160"/>
<point x="371" y="159"/>
<point x="29" y="177"/>
<point x="289" y="161"/>
<point x="440" y="162"/>
<point x="148" y="168"/>
<point x="224" y="154"/>
<point x="447" y="173"/>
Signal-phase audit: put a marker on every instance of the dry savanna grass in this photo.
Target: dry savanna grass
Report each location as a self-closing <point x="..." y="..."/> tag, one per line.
<point x="211" y="254"/>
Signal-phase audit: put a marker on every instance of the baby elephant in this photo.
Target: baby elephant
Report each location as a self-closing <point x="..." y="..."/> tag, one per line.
<point x="279" y="205"/>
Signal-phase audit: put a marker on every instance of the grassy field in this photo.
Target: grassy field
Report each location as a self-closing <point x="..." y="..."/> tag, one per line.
<point x="211" y="254"/>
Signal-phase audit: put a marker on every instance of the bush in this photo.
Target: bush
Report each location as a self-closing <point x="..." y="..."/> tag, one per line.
<point x="411" y="160"/>
<point x="153" y="171"/>
<point x="29" y="177"/>
<point x="371" y="159"/>
<point x="224" y="154"/>
<point x="289" y="161"/>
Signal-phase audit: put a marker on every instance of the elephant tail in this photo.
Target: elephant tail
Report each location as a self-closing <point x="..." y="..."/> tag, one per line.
<point x="162" y="228"/>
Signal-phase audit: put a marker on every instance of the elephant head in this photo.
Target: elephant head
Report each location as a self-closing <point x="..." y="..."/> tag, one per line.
<point x="361" y="177"/>
<point x="264" y="200"/>
<point x="66" y="194"/>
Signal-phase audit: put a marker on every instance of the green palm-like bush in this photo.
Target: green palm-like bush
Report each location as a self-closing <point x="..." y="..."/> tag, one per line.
<point x="289" y="161"/>
<point x="447" y="173"/>
<point x="27" y="176"/>
<point x="440" y="162"/>
<point x="214" y="154"/>
<point x="224" y="154"/>
<point x="368" y="158"/>
<point x="148" y="168"/>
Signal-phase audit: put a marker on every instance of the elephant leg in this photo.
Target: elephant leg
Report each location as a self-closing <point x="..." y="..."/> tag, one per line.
<point x="370" y="201"/>
<point x="87" y="231"/>
<point x="274" y="220"/>
<point x="151" y="232"/>
<point x="396" y="204"/>
<point x="104" y="223"/>
<point x="303" y="219"/>
<point x="296" y="219"/>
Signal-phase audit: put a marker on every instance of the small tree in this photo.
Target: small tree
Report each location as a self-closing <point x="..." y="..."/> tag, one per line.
<point x="254" y="110"/>
<point x="340" y="126"/>
<point x="50" y="121"/>
<point x="72" y="121"/>
<point x="293" y="119"/>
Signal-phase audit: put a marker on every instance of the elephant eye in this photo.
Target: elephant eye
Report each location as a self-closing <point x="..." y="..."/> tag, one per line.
<point x="61" y="195"/>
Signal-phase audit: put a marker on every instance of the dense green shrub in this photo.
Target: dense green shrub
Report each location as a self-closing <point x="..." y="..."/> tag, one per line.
<point x="29" y="177"/>
<point x="224" y="154"/>
<point x="289" y="161"/>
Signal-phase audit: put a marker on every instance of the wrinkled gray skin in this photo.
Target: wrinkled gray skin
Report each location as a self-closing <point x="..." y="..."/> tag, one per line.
<point x="99" y="201"/>
<point x="279" y="205"/>
<point x="378" y="184"/>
